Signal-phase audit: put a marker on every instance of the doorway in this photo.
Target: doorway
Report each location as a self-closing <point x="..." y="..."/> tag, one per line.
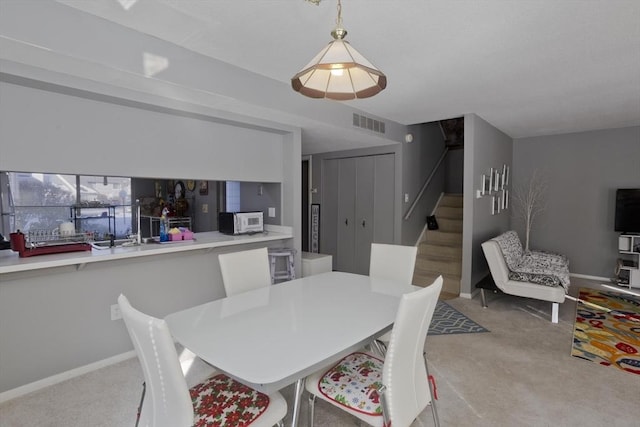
<point x="306" y="201"/>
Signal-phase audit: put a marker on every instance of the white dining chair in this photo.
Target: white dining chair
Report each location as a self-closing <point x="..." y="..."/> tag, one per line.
<point x="389" y="392"/>
<point x="392" y="262"/>
<point x="168" y="402"/>
<point x="245" y="270"/>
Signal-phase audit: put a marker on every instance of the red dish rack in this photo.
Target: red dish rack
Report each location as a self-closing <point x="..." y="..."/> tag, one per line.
<point x="42" y="243"/>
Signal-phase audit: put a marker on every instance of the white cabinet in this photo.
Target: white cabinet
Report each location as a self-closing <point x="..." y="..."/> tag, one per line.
<point x="629" y="261"/>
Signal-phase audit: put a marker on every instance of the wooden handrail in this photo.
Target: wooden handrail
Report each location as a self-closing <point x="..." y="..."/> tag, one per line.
<point x="426" y="184"/>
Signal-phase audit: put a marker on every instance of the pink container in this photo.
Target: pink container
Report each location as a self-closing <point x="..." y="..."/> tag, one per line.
<point x="187" y="235"/>
<point x="176" y="236"/>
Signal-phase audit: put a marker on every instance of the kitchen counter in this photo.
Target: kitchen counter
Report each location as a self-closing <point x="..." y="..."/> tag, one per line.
<point x="10" y="262"/>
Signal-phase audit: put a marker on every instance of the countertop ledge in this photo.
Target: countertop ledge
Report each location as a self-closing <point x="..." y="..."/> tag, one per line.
<point x="10" y="262"/>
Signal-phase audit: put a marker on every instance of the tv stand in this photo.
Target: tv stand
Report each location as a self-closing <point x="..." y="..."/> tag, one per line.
<point x="629" y="261"/>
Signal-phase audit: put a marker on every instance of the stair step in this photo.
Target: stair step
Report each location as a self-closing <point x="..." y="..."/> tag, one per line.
<point x="443" y="237"/>
<point x="449" y="224"/>
<point x="451" y="200"/>
<point x="440" y="251"/>
<point x="449" y="212"/>
<point x="450" y="283"/>
<point x="440" y="265"/>
<point x="430" y="249"/>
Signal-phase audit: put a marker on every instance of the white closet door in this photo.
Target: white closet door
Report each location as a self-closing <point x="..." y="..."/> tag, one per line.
<point x="346" y="236"/>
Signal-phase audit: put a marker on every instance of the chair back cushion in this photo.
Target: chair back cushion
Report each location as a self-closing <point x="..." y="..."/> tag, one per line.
<point x="511" y="248"/>
<point x="393" y="262"/>
<point x="404" y="372"/>
<point x="167" y="402"/>
<point x="354" y="383"/>
<point x="245" y="270"/>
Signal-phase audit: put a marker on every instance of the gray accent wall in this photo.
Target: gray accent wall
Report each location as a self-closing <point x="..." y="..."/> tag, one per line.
<point x="583" y="171"/>
<point x="418" y="161"/>
<point x="485" y="147"/>
<point x="256" y="196"/>
<point x="454" y="169"/>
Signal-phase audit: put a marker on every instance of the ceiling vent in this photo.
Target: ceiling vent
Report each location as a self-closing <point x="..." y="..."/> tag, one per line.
<point x="368" y="123"/>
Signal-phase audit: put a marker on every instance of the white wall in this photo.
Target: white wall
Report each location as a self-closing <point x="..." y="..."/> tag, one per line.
<point x="46" y="131"/>
<point x="58" y="319"/>
<point x="48" y="35"/>
<point x="82" y="105"/>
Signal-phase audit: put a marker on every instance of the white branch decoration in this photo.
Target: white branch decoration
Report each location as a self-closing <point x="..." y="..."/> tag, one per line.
<point x="528" y="202"/>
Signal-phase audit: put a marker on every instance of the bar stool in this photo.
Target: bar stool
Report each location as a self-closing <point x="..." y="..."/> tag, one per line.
<point x="289" y="272"/>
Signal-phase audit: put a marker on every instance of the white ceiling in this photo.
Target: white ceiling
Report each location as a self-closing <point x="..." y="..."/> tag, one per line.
<point x="529" y="67"/>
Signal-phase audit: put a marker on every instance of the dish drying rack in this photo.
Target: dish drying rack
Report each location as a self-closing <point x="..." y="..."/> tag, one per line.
<point x="41" y="242"/>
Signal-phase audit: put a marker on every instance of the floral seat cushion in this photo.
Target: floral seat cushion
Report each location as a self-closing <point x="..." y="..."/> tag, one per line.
<point x="221" y="401"/>
<point x="354" y="383"/>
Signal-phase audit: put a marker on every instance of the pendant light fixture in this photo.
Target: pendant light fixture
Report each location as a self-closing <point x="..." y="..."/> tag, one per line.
<point x="339" y="71"/>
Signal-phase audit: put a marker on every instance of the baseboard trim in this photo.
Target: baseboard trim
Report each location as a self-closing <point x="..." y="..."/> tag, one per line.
<point x="586" y="276"/>
<point x="468" y="296"/>
<point x="63" y="376"/>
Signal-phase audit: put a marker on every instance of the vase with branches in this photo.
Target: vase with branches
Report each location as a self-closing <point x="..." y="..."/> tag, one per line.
<point x="529" y="202"/>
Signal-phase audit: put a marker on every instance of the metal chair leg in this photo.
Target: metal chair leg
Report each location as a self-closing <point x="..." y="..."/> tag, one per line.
<point x="434" y="411"/>
<point x="483" y="298"/>
<point x="144" y="389"/>
<point x="379" y="347"/>
<point x="312" y="406"/>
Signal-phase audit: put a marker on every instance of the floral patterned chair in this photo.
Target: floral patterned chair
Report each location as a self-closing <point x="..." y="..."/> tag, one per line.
<point x="533" y="274"/>
<point x="167" y="400"/>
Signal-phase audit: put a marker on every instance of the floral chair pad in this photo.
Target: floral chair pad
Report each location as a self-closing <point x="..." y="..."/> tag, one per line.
<point x="354" y="383"/>
<point x="221" y="401"/>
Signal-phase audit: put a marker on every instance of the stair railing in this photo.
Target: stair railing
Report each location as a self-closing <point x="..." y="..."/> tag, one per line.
<point x="426" y="184"/>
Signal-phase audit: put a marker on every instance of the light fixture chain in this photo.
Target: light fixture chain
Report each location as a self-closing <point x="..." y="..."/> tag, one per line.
<point x="339" y="18"/>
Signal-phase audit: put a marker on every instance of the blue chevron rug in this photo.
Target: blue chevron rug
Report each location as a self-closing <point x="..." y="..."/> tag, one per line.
<point x="448" y="320"/>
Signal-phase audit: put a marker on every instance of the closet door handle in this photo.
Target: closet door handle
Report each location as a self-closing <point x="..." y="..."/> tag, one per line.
<point x="346" y="222"/>
<point x="364" y="222"/>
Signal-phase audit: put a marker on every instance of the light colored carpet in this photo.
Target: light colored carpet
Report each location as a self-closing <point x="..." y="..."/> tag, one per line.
<point x="519" y="374"/>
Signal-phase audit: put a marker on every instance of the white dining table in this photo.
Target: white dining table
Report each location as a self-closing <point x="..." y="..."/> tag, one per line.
<point x="275" y="336"/>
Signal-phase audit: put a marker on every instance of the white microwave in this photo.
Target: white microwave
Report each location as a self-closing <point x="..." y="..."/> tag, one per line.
<point x="240" y="222"/>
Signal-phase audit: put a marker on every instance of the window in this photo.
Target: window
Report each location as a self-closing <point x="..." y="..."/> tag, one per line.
<point x="99" y="205"/>
<point x="233" y="196"/>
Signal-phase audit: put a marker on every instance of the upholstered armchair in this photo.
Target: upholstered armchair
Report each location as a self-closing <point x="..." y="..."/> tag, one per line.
<point x="531" y="274"/>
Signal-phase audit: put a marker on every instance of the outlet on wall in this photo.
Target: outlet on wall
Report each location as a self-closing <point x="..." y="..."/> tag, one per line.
<point x="115" y="312"/>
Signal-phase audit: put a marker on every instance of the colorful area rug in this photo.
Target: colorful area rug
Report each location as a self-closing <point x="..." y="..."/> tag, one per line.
<point x="607" y="329"/>
<point x="448" y="320"/>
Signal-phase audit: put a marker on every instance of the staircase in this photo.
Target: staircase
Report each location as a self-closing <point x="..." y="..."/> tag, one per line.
<point x="440" y="251"/>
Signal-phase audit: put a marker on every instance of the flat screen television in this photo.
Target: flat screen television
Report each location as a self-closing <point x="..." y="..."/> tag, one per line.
<point x="628" y="210"/>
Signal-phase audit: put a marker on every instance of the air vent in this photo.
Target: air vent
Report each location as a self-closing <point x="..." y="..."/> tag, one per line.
<point x="368" y="123"/>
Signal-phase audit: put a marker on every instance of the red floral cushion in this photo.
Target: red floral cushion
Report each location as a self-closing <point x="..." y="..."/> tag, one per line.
<point x="222" y="401"/>
<point x="354" y="382"/>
